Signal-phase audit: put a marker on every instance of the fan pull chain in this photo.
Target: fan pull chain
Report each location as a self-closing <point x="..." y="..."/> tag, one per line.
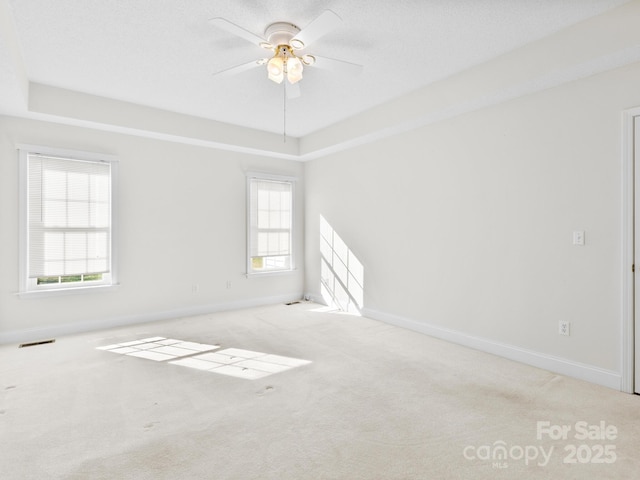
<point x="284" y="112"/>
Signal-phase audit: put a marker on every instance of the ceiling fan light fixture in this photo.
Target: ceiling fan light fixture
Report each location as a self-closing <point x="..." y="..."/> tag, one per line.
<point x="275" y="69"/>
<point x="286" y="42"/>
<point x="294" y="70"/>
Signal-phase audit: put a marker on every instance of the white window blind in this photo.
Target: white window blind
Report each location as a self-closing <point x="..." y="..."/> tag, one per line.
<point x="69" y="220"/>
<point x="270" y="225"/>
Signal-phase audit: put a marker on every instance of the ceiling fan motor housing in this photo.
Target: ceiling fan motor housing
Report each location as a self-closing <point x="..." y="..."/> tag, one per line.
<point x="281" y="33"/>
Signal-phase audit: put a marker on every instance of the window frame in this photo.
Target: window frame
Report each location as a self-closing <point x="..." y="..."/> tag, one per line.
<point x="27" y="286"/>
<point x="251" y="176"/>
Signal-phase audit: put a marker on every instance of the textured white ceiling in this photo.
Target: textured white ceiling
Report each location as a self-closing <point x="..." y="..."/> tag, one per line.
<point x="162" y="53"/>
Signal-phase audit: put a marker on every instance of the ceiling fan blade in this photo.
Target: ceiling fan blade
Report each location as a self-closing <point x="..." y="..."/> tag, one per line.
<point x="322" y="25"/>
<point x="293" y="91"/>
<point x="237" y="30"/>
<point x="239" y="68"/>
<point x="338" y="66"/>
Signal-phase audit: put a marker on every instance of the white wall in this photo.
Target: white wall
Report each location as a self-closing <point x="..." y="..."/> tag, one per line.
<point x="180" y="225"/>
<point x="464" y="227"/>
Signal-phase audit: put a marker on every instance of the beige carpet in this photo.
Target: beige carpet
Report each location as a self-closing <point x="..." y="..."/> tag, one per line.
<point x="376" y="402"/>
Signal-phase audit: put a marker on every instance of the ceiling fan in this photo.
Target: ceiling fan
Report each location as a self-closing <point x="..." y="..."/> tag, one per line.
<point x="288" y="43"/>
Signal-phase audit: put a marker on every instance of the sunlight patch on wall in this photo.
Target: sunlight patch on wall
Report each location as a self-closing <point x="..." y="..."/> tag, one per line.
<point x="341" y="273"/>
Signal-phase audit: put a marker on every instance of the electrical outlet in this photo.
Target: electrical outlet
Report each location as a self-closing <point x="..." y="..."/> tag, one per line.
<point x="228" y="284"/>
<point x="564" y="327"/>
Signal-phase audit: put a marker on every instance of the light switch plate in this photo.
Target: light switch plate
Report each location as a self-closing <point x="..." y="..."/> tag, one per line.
<point x="578" y="237"/>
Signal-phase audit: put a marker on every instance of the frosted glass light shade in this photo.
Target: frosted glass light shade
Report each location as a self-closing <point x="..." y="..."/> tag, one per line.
<point x="294" y="70"/>
<point x="275" y="69"/>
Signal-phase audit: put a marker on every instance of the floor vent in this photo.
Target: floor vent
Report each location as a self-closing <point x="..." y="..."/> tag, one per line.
<point x="33" y="344"/>
<point x="292" y="303"/>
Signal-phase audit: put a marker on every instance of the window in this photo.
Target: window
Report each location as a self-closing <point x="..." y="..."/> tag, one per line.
<point x="67" y="219"/>
<point x="270" y="224"/>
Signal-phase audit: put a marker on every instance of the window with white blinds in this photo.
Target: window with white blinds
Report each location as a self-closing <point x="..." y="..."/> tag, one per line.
<point x="68" y="225"/>
<point x="270" y="224"/>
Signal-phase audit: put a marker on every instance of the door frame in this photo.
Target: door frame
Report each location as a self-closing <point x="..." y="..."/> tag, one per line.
<point x="627" y="371"/>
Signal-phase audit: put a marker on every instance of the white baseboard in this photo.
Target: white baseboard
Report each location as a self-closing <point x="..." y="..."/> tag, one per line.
<point x="54" y="331"/>
<point x="581" y="371"/>
<point x="315" y="298"/>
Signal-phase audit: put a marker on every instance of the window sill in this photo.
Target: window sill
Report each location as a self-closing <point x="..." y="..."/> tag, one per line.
<point x="271" y="273"/>
<point x="56" y="292"/>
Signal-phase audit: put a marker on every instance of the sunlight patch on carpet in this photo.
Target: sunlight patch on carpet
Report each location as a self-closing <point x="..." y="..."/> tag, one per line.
<point x="159" y="348"/>
<point x="241" y="363"/>
<point x="235" y="362"/>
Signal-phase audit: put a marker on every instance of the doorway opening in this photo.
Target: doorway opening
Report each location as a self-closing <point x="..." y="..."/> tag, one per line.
<point x="630" y="362"/>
